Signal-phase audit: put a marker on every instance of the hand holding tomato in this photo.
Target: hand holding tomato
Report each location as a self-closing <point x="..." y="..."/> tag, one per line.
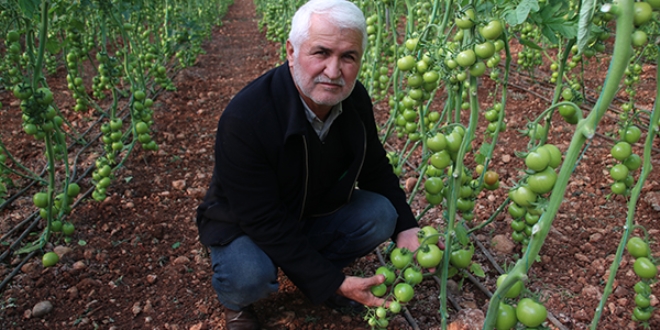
<point x="359" y="289"/>
<point x="410" y="240"/>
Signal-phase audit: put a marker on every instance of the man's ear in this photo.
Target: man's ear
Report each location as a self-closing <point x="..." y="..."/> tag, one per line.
<point x="289" y="52"/>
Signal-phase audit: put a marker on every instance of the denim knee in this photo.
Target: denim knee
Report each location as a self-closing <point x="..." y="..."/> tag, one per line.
<point x="242" y="274"/>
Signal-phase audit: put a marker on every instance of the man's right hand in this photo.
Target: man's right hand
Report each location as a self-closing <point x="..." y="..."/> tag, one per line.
<point x="359" y="289"/>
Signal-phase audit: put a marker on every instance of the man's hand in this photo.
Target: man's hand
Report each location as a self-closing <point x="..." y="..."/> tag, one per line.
<point x="408" y="239"/>
<point x="359" y="289"/>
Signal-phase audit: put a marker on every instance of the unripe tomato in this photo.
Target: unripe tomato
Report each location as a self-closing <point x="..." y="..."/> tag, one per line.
<point x="461" y="258"/>
<point x="484" y="50"/>
<point x="400" y="257"/>
<point x="388" y="273"/>
<point x="538" y="159"/>
<point x="644" y="268"/>
<point x="543" y="181"/>
<point x="642" y="301"/>
<point x="641" y="314"/>
<point x="40" y="200"/>
<point x="514" y="291"/>
<point x="633" y="162"/>
<point x="555" y="154"/>
<point x="403" y="292"/>
<point x="428" y="235"/>
<point x="466" y="20"/>
<point x="642" y="12"/>
<point x="621" y="150"/>
<point x="637" y="247"/>
<point x="506" y="317"/>
<point x="437" y="142"/>
<point x="492" y="30"/>
<point x="413" y="275"/>
<point x="531" y="313"/>
<point x="466" y="58"/>
<point x="406" y="63"/>
<point x="68" y="228"/>
<point x="429" y="256"/>
<point x="523" y="196"/>
<point x="50" y="259"/>
<point x="433" y="185"/>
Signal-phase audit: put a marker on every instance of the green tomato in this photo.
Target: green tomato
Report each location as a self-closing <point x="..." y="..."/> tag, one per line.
<point x="484" y="50"/>
<point x="478" y="69"/>
<point x="637" y="247"/>
<point x="555" y="154"/>
<point x="395" y="307"/>
<point x="388" y="273"/>
<point x="437" y="142"/>
<point x="466" y="58"/>
<point x="516" y="211"/>
<point x="465" y="20"/>
<point x="538" y="160"/>
<point x="428" y="235"/>
<point x="514" y="291"/>
<point x="641" y="314"/>
<point x="642" y="288"/>
<point x="403" y="292"/>
<point x="642" y="13"/>
<point x="633" y="162"/>
<point x="401" y="257"/>
<point x="531" y="313"/>
<point x="429" y="256"/>
<point x="461" y="258"/>
<point x="621" y="150"/>
<point x="413" y="275"/>
<point x="492" y="30"/>
<point x="68" y="228"/>
<point x="619" y="172"/>
<point x="543" y="181"/>
<point x="506" y="317"/>
<point x="644" y="268"/>
<point x="523" y="196"/>
<point x="379" y="290"/>
<point x="406" y="63"/>
<point x="50" y="259"/>
<point x="40" y="200"/>
<point x="433" y="185"/>
<point x="642" y="301"/>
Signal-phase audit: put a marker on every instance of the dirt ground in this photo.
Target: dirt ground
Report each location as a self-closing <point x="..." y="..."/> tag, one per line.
<point x="143" y="268"/>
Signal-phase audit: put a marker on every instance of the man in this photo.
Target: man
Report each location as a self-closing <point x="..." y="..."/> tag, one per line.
<point x="291" y="148"/>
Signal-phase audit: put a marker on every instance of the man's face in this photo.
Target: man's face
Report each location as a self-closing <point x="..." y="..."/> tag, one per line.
<point x="326" y="65"/>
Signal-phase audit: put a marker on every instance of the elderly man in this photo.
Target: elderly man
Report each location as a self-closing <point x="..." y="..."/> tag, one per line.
<point x="301" y="180"/>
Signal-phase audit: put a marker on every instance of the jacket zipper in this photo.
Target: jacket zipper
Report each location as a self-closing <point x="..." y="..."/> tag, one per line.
<point x="302" y="210"/>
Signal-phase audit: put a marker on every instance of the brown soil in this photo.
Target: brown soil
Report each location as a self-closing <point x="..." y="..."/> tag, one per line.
<point x="142" y="266"/>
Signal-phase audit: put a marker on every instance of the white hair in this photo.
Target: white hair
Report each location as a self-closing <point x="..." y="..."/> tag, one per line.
<point x="342" y="13"/>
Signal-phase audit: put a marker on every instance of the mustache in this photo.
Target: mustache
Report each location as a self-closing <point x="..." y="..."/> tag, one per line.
<point x="326" y="80"/>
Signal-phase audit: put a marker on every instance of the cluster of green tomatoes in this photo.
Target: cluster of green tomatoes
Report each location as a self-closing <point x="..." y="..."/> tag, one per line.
<point x="528" y="311"/>
<point x="646" y="269"/>
<point x="626" y="160"/>
<point x="525" y="208"/>
<point x="402" y="273"/>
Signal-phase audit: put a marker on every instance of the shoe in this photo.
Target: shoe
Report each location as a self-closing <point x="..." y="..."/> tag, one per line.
<point x="243" y="319"/>
<point x="344" y="305"/>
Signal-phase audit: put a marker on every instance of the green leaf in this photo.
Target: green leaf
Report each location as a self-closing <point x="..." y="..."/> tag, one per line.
<point x="128" y="179"/>
<point x="587" y="10"/>
<point x="462" y="235"/>
<point x="529" y="44"/>
<point x="82" y="242"/>
<point x="29" y="7"/>
<point x="452" y="271"/>
<point x="476" y="269"/>
<point x="176" y="245"/>
<point x="525" y="7"/>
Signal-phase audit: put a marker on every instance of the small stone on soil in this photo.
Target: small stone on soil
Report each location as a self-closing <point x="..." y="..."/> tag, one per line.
<point x="42" y="308"/>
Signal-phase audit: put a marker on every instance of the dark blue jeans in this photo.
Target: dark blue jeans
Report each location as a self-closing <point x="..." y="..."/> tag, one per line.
<point x="243" y="273"/>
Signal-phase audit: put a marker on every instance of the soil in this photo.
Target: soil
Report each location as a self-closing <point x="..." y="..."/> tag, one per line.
<point x="142" y="267"/>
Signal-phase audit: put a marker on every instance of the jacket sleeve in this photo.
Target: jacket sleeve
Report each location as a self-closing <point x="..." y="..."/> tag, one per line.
<point x="249" y="182"/>
<point x="377" y="174"/>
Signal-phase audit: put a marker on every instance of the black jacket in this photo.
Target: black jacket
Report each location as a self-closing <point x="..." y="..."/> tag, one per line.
<point x="259" y="183"/>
